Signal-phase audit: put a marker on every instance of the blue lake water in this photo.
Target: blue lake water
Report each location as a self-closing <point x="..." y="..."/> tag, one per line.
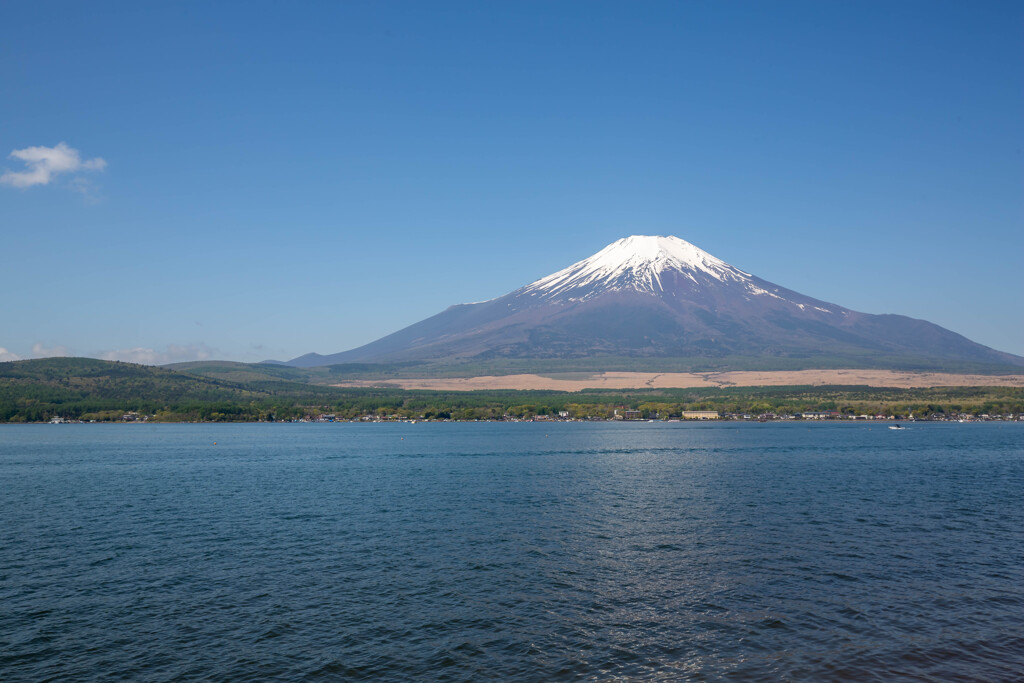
<point x="512" y="551"/>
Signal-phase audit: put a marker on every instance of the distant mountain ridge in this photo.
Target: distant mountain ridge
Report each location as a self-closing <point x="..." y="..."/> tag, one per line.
<point x="661" y="297"/>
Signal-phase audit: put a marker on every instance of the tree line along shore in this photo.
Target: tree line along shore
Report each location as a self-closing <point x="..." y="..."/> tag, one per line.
<point x="79" y="389"/>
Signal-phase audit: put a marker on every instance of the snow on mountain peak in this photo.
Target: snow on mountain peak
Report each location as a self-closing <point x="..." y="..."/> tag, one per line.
<point x="636" y="262"/>
<point x="660" y="253"/>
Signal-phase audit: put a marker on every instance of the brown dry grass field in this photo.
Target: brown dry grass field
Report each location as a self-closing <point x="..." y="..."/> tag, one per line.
<point x="683" y="380"/>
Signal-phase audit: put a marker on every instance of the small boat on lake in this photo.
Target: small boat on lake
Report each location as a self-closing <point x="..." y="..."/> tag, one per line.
<point x="896" y="426"/>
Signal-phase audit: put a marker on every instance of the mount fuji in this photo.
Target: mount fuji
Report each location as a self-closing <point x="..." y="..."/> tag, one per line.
<point x="653" y="297"/>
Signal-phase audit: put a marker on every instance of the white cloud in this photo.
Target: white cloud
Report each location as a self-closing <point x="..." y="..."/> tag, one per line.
<point x="42" y="164"/>
<point x="174" y="353"/>
<point x="40" y="351"/>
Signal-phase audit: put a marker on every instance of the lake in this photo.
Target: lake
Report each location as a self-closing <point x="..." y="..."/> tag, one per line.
<point x="523" y="551"/>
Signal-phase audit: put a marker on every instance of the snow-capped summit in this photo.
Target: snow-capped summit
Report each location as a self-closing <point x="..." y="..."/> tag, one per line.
<point x="665" y="267"/>
<point x="636" y="262"/>
<point x="660" y="297"/>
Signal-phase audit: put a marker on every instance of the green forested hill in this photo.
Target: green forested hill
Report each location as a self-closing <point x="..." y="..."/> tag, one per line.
<point x="37" y="389"/>
<point x="66" y="377"/>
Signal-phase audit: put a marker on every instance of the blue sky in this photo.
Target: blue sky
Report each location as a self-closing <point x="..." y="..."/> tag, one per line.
<point x="261" y="180"/>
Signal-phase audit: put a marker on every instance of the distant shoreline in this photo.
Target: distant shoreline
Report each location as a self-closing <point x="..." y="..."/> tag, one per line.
<point x="722" y="419"/>
<point x="687" y="380"/>
<point x="81" y="389"/>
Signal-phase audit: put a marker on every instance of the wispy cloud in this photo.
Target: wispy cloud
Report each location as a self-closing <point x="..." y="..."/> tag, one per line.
<point x="43" y="164"/>
<point x="173" y="353"/>
<point x="40" y="351"/>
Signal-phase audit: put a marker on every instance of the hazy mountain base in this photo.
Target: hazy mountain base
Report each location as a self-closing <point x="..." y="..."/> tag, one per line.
<point x="481" y="366"/>
<point x="88" y="389"/>
<point x="584" y="381"/>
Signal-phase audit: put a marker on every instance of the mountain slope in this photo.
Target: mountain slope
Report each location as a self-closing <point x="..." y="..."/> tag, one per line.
<point x="662" y="297"/>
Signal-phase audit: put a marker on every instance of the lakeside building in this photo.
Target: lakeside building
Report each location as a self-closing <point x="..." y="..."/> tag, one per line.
<point x="700" y="415"/>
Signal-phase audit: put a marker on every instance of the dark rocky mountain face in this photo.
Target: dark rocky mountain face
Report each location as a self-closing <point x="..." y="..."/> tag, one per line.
<point x="662" y="297"/>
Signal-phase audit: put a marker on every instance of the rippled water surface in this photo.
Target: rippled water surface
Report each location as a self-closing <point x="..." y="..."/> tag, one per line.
<point x="512" y="551"/>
